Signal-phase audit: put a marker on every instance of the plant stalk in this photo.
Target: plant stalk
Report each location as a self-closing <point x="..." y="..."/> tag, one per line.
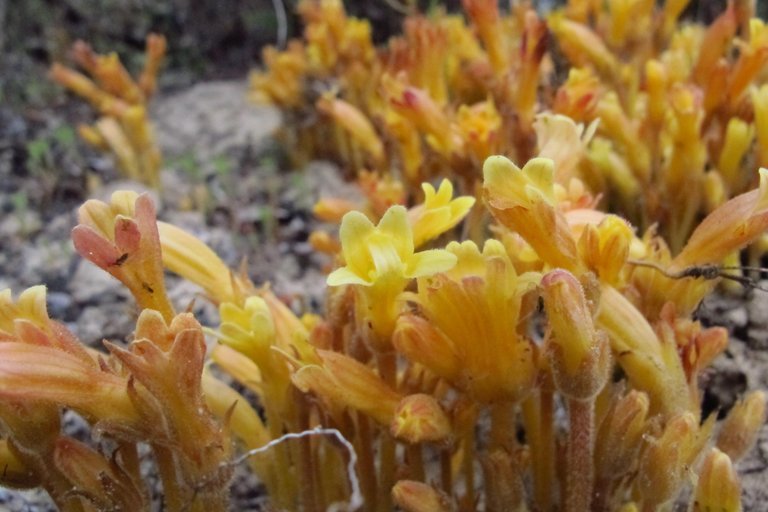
<point x="580" y="476"/>
<point x="387" y="363"/>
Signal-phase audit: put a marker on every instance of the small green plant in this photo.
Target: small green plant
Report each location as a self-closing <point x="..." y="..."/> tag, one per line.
<point x="39" y="158"/>
<point x="189" y="165"/>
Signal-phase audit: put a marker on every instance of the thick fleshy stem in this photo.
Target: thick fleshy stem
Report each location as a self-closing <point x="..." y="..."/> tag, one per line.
<point x="580" y="455"/>
<point x="469" y="468"/>
<point x="446" y="475"/>
<point x="172" y="490"/>
<point x="308" y="469"/>
<point x="502" y="426"/>
<point x="286" y="491"/>
<point x="538" y="415"/>
<point x="415" y="456"/>
<point x="387" y="363"/>
<point x="366" y="468"/>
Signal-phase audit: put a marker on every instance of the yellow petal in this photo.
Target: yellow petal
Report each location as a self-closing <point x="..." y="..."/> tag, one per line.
<point x="344" y="275"/>
<point x="429" y="262"/>
<point x="355" y="230"/>
<point x="395" y="224"/>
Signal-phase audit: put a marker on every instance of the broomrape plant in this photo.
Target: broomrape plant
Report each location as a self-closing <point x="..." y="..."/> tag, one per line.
<point x="546" y="359"/>
<point x="415" y="350"/>
<point x="124" y="128"/>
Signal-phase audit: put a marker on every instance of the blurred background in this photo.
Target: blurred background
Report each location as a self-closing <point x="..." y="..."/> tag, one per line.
<point x="208" y="39"/>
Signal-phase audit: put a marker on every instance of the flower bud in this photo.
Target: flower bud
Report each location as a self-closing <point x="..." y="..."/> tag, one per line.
<point x="666" y="460"/>
<point x="122" y="238"/>
<point x="104" y="482"/>
<point x="718" y="488"/>
<point x="323" y="242"/>
<point x="503" y="474"/>
<point x="420" y="418"/>
<point x="355" y="123"/>
<point x="760" y="105"/>
<point x="16" y="474"/>
<point x="332" y="209"/>
<point x="605" y="247"/>
<point x="620" y="435"/>
<point x="421" y="342"/>
<point x="742" y="425"/>
<point x="341" y="381"/>
<point x="414" y="496"/>
<point x="579" y="354"/>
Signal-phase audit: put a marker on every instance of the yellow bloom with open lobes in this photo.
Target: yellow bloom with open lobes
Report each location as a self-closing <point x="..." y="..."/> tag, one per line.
<point x="381" y="260"/>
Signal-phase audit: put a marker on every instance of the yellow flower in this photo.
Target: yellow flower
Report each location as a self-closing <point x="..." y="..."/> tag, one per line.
<point x="356" y="124"/>
<point x="30" y="306"/>
<point x="438" y="213"/>
<point x="605" y="247"/>
<point x="122" y="238"/>
<point x="480" y="127"/>
<point x="381" y="260"/>
<point x="248" y="329"/>
<point x="469" y="330"/>
<point x="427" y="116"/>
<point x="524" y="200"/>
<point x="343" y="382"/>
<point x="257" y="326"/>
<point x="577" y="97"/>
<point x="384" y="252"/>
<point x="564" y="141"/>
<point x="189" y="257"/>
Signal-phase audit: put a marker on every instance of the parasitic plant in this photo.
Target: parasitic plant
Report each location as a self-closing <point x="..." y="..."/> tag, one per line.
<point x="121" y="101"/>
<point x="547" y="358"/>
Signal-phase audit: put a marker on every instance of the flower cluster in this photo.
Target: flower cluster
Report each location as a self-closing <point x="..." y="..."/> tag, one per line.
<point x="677" y="114"/>
<point x="124" y="128"/>
<point x="415" y="349"/>
<point x="546" y="359"/>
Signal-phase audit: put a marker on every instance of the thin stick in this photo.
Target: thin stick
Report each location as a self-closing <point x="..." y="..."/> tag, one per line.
<point x="399" y="7"/>
<point x="708" y="271"/>
<point x="356" y="498"/>
<point x="282" y="23"/>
